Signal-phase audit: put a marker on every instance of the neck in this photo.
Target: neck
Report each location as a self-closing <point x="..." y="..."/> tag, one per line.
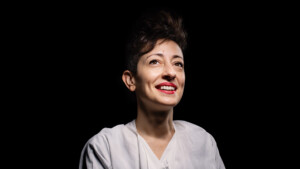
<point x="153" y="123"/>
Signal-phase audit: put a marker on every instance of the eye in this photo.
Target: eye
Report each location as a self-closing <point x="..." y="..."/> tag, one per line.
<point x="180" y="64"/>
<point x="153" y="62"/>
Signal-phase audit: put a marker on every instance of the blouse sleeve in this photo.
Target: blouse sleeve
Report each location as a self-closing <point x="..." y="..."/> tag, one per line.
<point x="218" y="159"/>
<point x="95" y="154"/>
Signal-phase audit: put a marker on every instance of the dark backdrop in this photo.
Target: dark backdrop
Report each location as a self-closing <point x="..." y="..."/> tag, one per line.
<point x="79" y="91"/>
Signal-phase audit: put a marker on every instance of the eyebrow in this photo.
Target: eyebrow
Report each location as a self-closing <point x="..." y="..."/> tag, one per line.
<point x="161" y="55"/>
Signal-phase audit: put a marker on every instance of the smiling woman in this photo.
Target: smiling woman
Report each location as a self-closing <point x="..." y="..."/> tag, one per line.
<point x="159" y="79"/>
<point x="155" y="73"/>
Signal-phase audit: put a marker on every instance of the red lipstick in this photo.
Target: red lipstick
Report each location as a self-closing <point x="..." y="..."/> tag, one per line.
<point x="166" y="87"/>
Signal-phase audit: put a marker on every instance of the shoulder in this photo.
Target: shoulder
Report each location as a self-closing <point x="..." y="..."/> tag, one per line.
<point x="99" y="145"/>
<point x="189" y="129"/>
<point x="112" y="135"/>
<point x="106" y="134"/>
<point x="186" y="126"/>
<point x="96" y="150"/>
<point x="197" y="137"/>
<point x="200" y="145"/>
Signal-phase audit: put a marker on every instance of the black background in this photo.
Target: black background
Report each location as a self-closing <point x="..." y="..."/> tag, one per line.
<point x="72" y="85"/>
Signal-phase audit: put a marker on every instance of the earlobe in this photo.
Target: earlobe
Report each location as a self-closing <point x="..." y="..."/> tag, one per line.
<point x="129" y="80"/>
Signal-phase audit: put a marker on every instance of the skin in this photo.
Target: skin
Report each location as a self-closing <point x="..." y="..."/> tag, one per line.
<point x="154" y="107"/>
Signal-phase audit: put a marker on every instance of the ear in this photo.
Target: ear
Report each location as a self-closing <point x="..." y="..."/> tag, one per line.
<point x="129" y="80"/>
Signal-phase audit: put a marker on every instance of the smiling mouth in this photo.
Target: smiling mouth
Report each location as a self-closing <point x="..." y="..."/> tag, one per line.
<point x="166" y="87"/>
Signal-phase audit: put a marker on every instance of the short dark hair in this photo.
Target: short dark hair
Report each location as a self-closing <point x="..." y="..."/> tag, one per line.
<point x="150" y="27"/>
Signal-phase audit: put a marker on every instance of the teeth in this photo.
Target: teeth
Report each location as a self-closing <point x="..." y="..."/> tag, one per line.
<point x="167" y="88"/>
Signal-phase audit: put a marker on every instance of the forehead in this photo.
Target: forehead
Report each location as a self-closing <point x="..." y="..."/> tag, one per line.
<point x="166" y="48"/>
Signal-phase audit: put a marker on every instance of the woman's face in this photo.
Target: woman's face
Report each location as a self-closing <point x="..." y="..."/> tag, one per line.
<point x="160" y="76"/>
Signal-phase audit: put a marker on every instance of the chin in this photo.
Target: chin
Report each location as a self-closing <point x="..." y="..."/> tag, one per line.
<point x="169" y="103"/>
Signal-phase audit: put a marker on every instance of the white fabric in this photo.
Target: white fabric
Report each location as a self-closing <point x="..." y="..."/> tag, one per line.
<point x="121" y="147"/>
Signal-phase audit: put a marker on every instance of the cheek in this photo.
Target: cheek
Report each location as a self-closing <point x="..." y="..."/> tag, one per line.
<point x="146" y="77"/>
<point x="181" y="79"/>
<point x="149" y="75"/>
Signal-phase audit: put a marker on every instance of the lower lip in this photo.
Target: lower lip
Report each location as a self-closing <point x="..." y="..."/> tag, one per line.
<point x="167" y="91"/>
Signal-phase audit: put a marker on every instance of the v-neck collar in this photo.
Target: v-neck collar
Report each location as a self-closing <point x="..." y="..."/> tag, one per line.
<point x="167" y="150"/>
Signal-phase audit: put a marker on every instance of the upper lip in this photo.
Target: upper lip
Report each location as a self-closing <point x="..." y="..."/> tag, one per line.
<point x="166" y="84"/>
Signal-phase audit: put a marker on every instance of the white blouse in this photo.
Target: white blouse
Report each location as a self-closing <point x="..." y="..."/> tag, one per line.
<point x="121" y="147"/>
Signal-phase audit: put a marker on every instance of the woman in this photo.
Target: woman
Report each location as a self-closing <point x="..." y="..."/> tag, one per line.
<point x="153" y="140"/>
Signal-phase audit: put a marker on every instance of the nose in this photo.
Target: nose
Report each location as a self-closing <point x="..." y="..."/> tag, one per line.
<point x="169" y="73"/>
